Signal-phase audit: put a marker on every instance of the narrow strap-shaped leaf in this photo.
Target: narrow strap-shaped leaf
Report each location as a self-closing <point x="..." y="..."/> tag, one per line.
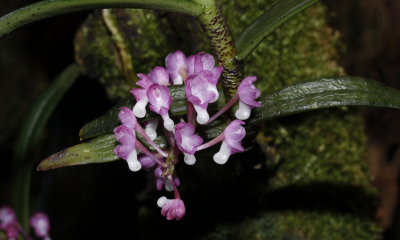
<point x="325" y="93"/>
<point x="50" y="8"/>
<point x="106" y="123"/>
<point x="29" y="136"/>
<point x="274" y="17"/>
<point x="101" y="149"/>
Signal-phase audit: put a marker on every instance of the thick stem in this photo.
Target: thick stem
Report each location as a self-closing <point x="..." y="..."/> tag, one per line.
<point x="232" y="76"/>
<point x="220" y="38"/>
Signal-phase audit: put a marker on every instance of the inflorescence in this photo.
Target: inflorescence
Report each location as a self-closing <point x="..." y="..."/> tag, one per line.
<point x="39" y="221"/>
<point x="200" y="77"/>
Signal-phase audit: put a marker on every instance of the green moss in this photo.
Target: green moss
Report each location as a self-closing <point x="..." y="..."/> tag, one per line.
<point x="303" y="48"/>
<point x="298" y="226"/>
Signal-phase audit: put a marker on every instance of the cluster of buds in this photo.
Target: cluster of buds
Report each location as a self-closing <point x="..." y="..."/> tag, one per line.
<point x="9" y="224"/>
<point x="200" y="77"/>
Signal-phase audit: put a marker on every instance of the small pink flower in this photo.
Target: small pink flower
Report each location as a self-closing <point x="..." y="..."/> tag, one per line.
<point x="159" y="75"/>
<point x="127" y="150"/>
<point x="201" y="61"/>
<point x="163" y="180"/>
<point x="232" y="143"/>
<point x="173" y="209"/>
<point x="176" y="67"/>
<point x="187" y="141"/>
<point x="201" y="90"/>
<point x="247" y="93"/>
<point x="12" y="233"/>
<point x="147" y="162"/>
<point x="127" y="118"/>
<point x="7" y="217"/>
<point x="40" y="223"/>
<point x="140" y="94"/>
<point x="160" y="101"/>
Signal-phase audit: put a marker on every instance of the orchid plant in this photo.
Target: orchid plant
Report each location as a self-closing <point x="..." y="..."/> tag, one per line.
<point x="187" y="95"/>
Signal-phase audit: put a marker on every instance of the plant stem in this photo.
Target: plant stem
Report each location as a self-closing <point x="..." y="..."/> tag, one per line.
<point x="216" y="140"/>
<point x="144" y="150"/>
<point x="224" y="109"/>
<point x="176" y="193"/>
<point x="141" y="131"/>
<point x="216" y="29"/>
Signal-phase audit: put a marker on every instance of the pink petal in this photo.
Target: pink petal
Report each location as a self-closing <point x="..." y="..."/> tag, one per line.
<point x="207" y="61"/>
<point x="7" y="217"/>
<point x="127" y="118"/>
<point x="185" y="138"/>
<point x="124" y="135"/>
<point x="158" y="96"/>
<point x="174" y="209"/>
<point x="234" y="134"/>
<point x="176" y="65"/>
<point x="144" y="81"/>
<point x="139" y="94"/>
<point x="40" y="223"/>
<point x="159" y="75"/>
<point x="248" y="92"/>
<point x="147" y="162"/>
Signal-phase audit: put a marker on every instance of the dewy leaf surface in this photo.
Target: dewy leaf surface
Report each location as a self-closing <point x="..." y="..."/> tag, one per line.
<point x="325" y="93"/>
<point x="274" y="17"/>
<point x="50" y="8"/>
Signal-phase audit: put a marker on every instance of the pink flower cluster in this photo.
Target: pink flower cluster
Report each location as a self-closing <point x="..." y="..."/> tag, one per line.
<point x="8" y="223"/>
<point x="200" y="77"/>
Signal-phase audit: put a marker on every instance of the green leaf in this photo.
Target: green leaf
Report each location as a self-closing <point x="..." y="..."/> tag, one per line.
<point x="28" y="139"/>
<point x="273" y="18"/>
<point x="101" y="149"/>
<point x="325" y="93"/>
<point x="106" y="123"/>
<point x="50" y="8"/>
